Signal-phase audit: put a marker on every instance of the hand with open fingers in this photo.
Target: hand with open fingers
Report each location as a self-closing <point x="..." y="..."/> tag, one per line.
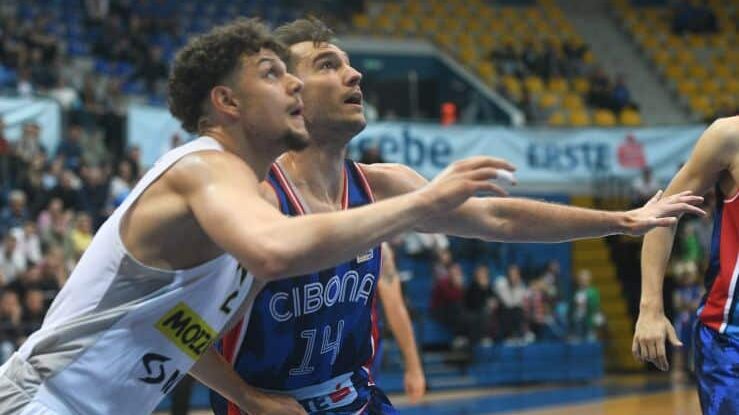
<point x="415" y="384"/>
<point x="662" y="211"/>
<point x="652" y="330"/>
<point x="463" y="179"/>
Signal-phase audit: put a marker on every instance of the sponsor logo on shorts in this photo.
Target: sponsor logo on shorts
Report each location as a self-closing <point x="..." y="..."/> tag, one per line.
<point x="366" y="256"/>
<point x="187" y="330"/>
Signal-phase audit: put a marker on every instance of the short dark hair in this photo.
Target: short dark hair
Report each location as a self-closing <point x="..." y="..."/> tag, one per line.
<point x="207" y="59"/>
<point x="309" y="29"/>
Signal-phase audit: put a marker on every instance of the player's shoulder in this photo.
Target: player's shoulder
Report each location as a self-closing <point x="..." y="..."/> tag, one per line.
<point x="390" y="179"/>
<point x="388" y="171"/>
<point x="726" y="130"/>
<point x="208" y="167"/>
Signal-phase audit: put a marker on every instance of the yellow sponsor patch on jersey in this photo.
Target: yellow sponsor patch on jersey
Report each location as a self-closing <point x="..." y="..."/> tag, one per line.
<point x="187" y="330"/>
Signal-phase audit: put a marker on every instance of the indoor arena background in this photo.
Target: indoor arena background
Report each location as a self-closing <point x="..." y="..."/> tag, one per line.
<point x="597" y="103"/>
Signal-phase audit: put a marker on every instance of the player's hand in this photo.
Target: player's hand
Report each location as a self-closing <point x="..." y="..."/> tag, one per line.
<point x="462" y="180"/>
<point x="662" y="211"/>
<point x="415" y="384"/>
<point x="652" y="329"/>
<point x="274" y="404"/>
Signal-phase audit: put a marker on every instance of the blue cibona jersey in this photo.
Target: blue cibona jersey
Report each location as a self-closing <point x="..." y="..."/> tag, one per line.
<point x="313" y="336"/>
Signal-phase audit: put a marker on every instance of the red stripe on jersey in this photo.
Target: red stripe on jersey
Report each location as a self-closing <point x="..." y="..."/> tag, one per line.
<point x="230" y="341"/>
<point x="365" y="183"/>
<point x="288" y="189"/>
<point x="718" y="303"/>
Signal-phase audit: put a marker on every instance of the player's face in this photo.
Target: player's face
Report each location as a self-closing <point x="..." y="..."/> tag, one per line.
<point x="270" y="106"/>
<point x="332" y="95"/>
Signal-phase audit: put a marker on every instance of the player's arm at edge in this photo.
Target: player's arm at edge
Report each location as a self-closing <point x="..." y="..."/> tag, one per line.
<point x="225" y="199"/>
<point x="391" y="296"/>
<point x="505" y="219"/>
<point x="710" y="157"/>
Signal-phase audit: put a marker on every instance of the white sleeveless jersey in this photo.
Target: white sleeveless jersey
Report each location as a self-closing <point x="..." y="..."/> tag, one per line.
<point x="120" y="334"/>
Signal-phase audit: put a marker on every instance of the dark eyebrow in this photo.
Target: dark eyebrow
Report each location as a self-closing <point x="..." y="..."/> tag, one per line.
<point x="329" y="53"/>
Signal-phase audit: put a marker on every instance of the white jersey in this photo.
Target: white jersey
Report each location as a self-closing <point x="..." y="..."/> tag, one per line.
<point x="120" y="334"/>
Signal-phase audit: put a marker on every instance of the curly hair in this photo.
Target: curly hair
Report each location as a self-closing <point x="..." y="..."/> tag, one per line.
<point x="208" y="59"/>
<point x="310" y="29"/>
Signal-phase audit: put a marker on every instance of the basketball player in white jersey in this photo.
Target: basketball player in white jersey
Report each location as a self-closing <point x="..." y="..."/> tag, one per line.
<point x="714" y="164"/>
<point x="194" y="240"/>
<point x="333" y="115"/>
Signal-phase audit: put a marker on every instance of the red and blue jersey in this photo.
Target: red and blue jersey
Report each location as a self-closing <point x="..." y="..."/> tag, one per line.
<point x="312" y="336"/>
<point x="719" y="309"/>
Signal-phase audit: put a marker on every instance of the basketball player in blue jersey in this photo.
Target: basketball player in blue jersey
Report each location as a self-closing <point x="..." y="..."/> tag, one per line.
<point x="314" y="337"/>
<point x="168" y="271"/>
<point x="396" y="314"/>
<point x="713" y="164"/>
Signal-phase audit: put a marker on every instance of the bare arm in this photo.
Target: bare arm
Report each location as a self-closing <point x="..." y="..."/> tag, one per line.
<point x="711" y="156"/>
<point x="215" y="372"/>
<point x="391" y="295"/>
<point x="224" y="196"/>
<point x="524" y="220"/>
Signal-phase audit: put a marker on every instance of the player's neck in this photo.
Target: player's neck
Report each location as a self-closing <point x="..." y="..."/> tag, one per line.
<point x="317" y="170"/>
<point x="258" y="159"/>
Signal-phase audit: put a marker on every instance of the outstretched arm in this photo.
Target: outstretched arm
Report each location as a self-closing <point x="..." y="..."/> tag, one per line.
<point x="391" y="295"/>
<point x="525" y="220"/>
<point x="712" y="155"/>
<point x="224" y="196"/>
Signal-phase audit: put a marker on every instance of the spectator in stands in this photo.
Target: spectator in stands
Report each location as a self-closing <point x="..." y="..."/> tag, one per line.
<point x="621" y="96"/>
<point x="114" y="108"/>
<point x="29" y="242"/>
<point x="5" y="155"/>
<point x="693" y="17"/>
<point x="539" y="305"/>
<point x="94" y="194"/>
<point x="688" y="243"/>
<point x="152" y="71"/>
<point x="94" y="152"/>
<point x="371" y="154"/>
<point x="511" y="291"/>
<point x="585" y="315"/>
<point x="480" y="301"/>
<point x="43" y="76"/>
<point x="29" y="146"/>
<point x="121" y="184"/>
<point x="686" y="300"/>
<point x="53" y="215"/>
<point x="15" y="214"/>
<point x="11" y="329"/>
<point x="67" y="190"/>
<point x="81" y="235"/>
<point x="507" y="61"/>
<point x="71" y="147"/>
<point x="600" y="94"/>
<point x="63" y="93"/>
<point x="644" y="187"/>
<point x="133" y="156"/>
<point x="87" y="115"/>
<point x="12" y="261"/>
<point x="447" y="308"/>
<point x="34" y="309"/>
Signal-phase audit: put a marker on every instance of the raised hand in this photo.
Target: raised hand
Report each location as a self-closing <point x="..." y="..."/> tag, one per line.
<point x="463" y="179"/>
<point x="662" y="211"/>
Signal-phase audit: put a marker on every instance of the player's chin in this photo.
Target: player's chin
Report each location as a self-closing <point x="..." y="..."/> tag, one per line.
<point x="297" y="139"/>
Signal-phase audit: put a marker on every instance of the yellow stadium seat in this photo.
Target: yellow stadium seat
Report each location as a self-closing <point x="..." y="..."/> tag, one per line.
<point x="429" y="25"/>
<point x="696" y="41"/>
<point x="675" y="72"/>
<point x="573" y="102"/>
<point x="487" y="71"/>
<point x="581" y="85"/>
<point x="685" y="56"/>
<point x="548" y="100"/>
<point x="630" y="118"/>
<point x="558" y="85"/>
<point x="604" y="118"/>
<point x="534" y="84"/>
<point x="723" y="71"/>
<point x="361" y="22"/>
<point x="579" y="118"/>
<point x="650" y="43"/>
<point x="407" y="25"/>
<point x="662" y="57"/>
<point x="385" y="24"/>
<point x="687" y="87"/>
<point x="698" y="72"/>
<point x="557" y="119"/>
<point x="710" y="86"/>
<point x="732" y="86"/>
<point x="700" y="104"/>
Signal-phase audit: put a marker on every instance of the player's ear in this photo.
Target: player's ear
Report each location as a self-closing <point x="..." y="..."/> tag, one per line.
<point x="224" y="100"/>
